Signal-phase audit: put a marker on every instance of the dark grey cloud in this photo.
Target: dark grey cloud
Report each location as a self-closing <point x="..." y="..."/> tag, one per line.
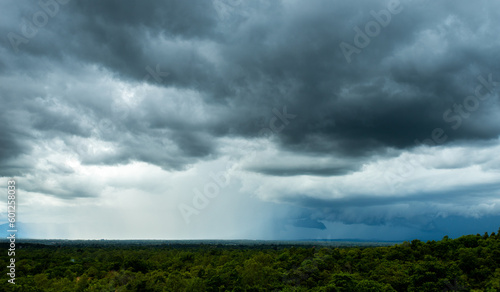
<point x="114" y="82"/>
<point x="419" y="210"/>
<point x="289" y="171"/>
<point x="309" y="223"/>
<point x="11" y="146"/>
<point x="391" y="94"/>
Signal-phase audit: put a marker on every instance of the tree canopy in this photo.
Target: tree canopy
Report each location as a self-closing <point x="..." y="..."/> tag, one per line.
<point x="468" y="263"/>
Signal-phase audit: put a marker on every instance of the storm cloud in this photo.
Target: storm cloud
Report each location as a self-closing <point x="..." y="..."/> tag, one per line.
<point x="401" y="131"/>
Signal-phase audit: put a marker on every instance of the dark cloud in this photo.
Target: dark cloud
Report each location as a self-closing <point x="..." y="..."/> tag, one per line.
<point x="309" y="223"/>
<point x="418" y="210"/>
<point x="289" y="171"/>
<point x="10" y="146"/>
<point x="113" y="82"/>
<point x="394" y="92"/>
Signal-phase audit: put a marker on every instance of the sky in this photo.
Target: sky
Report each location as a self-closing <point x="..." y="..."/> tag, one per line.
<point x="232" y="119"/>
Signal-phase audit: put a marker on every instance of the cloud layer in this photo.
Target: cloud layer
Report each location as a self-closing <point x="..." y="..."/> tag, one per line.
<point x="401" y="132"/>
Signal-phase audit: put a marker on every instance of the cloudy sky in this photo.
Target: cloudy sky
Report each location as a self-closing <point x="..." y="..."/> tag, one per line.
<point x="251" y="119"/>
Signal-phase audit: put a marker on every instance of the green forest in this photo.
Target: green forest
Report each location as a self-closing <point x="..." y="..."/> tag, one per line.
<point x="468" y="263"/>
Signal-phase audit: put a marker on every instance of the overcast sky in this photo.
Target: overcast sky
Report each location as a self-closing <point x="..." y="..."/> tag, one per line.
<point x="251" y="119"/>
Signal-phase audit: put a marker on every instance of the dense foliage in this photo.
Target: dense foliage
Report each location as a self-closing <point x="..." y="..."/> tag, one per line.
<point x="468" y="263"/>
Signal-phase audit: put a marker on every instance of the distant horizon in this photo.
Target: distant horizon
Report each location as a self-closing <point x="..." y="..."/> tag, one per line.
<point x="347" y="239"/>
<point x="305" y="241"/>
<point x="202" y="240"/>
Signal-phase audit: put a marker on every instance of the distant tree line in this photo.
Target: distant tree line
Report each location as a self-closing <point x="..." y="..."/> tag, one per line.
<point x="468" y="263"/>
